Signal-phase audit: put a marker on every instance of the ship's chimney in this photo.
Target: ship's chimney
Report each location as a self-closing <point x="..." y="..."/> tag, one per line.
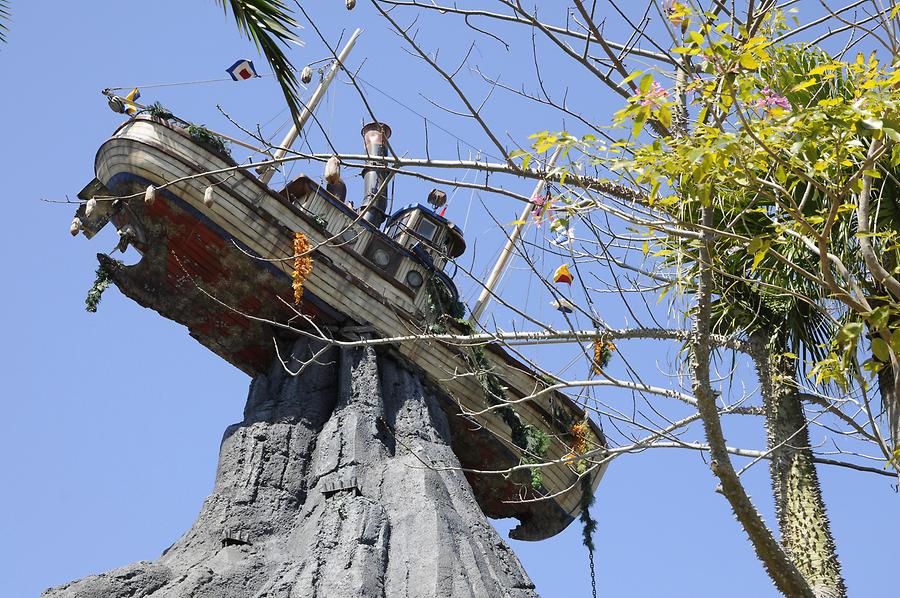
<point x="374" y="202"/>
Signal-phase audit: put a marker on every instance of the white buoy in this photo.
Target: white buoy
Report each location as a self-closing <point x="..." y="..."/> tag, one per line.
<point x="208" y="198"/>
<point x="150" y="195"/>
<point x="76" y="226"/>
<point x="306" y="74"/>
<point x="333" y="170"/>
<point x="90" y="206"/>
<point x="351" y="4"/>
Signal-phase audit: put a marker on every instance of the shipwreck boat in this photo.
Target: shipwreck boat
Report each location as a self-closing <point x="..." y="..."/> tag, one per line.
<point x="217" y="256"/>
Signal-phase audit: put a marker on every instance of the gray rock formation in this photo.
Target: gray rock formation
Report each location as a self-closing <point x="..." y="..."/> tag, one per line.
<point x="323" y="490"/>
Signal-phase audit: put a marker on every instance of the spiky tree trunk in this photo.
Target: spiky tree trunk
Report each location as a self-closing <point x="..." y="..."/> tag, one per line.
<point x="802" y="517"/>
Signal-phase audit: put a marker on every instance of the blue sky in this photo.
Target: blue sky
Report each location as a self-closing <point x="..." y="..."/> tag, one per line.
<point x="113" y="419"/>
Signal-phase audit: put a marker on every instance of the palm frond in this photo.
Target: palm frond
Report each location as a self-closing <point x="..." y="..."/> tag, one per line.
<point x="269" y="24"/>
<point x="5" y="17"/>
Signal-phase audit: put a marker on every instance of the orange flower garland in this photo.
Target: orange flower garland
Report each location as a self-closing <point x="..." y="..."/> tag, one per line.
<point x="303" y="265"/>
<point x="580" y="433"/>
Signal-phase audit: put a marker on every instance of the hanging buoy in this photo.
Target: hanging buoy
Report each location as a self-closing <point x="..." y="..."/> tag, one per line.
<point x="306" y="74"/>
<point x="437" y="198"/>
<point x="333" y="170"/>
<point x="563" y="305"/>
<point x="90" y="206"/>
<point x="208" y="198"/>
<point x="351" y="4"/>
<point x="76" y="226"/>
<point x="562" y="275"/>
<point x="150" y="195"/>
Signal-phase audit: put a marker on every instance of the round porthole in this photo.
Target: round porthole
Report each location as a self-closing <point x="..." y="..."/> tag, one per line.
<point x="414" y="279"/>
<point x="381" y="258"/>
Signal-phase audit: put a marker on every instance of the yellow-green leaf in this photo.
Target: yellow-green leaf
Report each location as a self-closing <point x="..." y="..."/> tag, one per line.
<point x="804" y="85"/>
<point x="749" y="62"/>
<point x="880" y="350"/>
<point x="665" y="116"/>
<point x="631" y="77"/>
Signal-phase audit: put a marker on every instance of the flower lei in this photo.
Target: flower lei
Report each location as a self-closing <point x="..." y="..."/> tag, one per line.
<point x="603" y="351"/>
<point x="303" y="265"/>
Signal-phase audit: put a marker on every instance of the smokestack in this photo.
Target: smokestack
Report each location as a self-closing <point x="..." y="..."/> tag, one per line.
<point x="374" y="202"/>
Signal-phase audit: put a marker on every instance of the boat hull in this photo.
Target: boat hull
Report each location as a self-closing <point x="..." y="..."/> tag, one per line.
<point x="224" y="272"/>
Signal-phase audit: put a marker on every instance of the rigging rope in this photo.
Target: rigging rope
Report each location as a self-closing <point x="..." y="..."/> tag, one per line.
<point x="426" y="119"/>
<point x="180" y="83"/>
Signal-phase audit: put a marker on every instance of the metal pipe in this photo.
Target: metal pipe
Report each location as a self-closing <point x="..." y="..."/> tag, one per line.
<point x="267" y="172"/>
<point x="374" y="203"/>
<point x="506" y="253"/>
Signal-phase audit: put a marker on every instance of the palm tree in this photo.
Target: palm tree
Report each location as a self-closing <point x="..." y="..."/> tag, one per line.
<point x="4" y="18"/>
<point x="270" y="24"/>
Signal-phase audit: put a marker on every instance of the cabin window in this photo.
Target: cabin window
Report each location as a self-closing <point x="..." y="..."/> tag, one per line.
<point x="414" y="279"/>
<point x="426" y="229"/>
<point x="383" y="256"/>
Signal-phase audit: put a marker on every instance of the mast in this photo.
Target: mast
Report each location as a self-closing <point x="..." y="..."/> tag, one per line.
<point x="506" y="253"/>
<point x="266" y="172"/>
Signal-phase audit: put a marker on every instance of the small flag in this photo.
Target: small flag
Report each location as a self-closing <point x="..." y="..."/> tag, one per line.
<point x="442" y="212"/>
<point x="562" y="275"/>
<point x="242" y="70"/>
<point x="133" y="96"/>
<point x="563" y="305"/>
<point x="565" y="237"/>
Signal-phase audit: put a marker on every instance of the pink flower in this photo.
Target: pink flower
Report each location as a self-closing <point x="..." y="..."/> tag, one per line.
<point x="770" y="99"/>
<point x="541" y="204"/>
<point x="655" y="96"/>
<point x="674" y="12"/>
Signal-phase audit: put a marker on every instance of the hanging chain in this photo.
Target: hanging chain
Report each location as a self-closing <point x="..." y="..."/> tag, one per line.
<point x="593" y="577"/>
<point x="590" y="524"/>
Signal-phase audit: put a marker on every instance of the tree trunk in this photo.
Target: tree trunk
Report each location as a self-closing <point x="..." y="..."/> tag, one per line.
<point x="323" y="490"/>
<point x="802" y="518"/>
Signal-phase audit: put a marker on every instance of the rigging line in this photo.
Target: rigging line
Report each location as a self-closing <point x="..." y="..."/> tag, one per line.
<point x="468" y="210"/>
<point x="456" y="187"/>
<point x="197" y="82"/>
<point x="279" y="113"/>
<point x="420" y="115"/>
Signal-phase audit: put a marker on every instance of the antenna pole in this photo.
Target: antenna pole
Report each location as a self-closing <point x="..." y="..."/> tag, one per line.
<point x="507" y="252"/>
<point x="266" y="172"/>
